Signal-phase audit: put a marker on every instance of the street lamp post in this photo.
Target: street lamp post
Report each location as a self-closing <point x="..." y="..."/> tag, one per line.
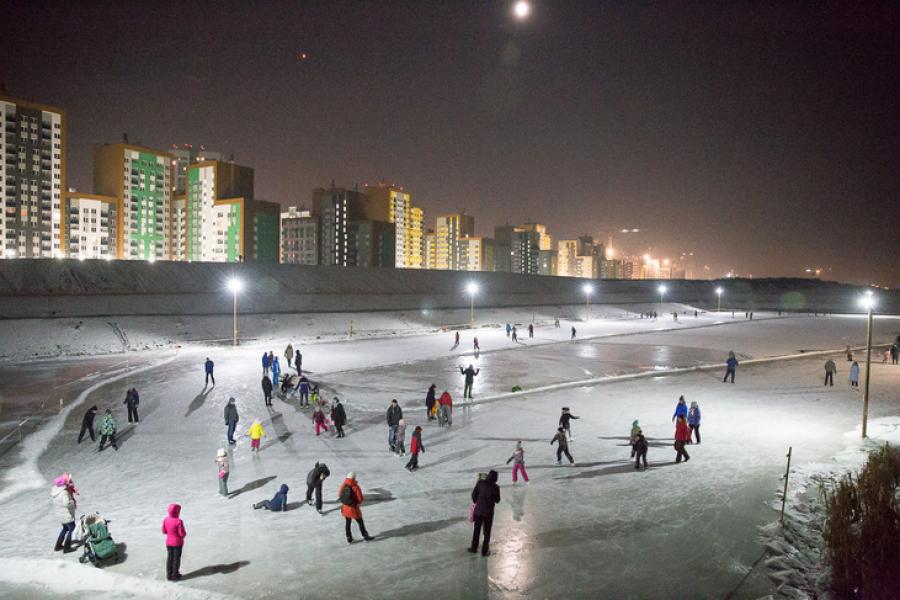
<point x="234" y="286"/>
<point x="719" y="299"/>
<point x="588" y="289"/>
<point x="868" y="303"/>
<point x="472" y="288"/>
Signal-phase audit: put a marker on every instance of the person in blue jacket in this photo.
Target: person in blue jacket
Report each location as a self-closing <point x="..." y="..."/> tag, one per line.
<point x="731" y="366"/>
<point x="278" y="501"/>
<point x="681" y="409"/>
<point x="208" y="367"/>
<point x="276" y="371"/>
<point x="304" y="391"/>
<point x="693" y="418"/>
<point x="266" y="363"/>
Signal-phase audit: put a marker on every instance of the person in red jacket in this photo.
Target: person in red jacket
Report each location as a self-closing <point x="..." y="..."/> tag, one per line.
<point x="351" y="498"/>
<point x="682" y="437"/>
<point x="415" y="447"/>
<point x="173" y="529"/>
<point x="446" y="411"/>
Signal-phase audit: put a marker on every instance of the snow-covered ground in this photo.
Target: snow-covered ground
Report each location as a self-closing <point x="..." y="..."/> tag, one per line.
<point x="598" y="529"/>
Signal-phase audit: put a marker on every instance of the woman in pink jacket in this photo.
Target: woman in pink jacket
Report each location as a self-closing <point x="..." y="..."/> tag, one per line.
<point x="173" y="528"/>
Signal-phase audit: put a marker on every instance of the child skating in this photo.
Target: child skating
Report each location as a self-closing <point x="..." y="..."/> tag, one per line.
<point x="564" y="419"/>
<point x="518" y="461"/>
<point x="256" y="432"/>
<point x="562" y="446"/>
<point x="415" y="446"/>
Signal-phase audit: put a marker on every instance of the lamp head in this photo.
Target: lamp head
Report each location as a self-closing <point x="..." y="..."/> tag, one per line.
<point x="588" y="289"/>
<point x="719" y="291"/>
<point x="472" y="288"/>
<point x="661" y="289"/>
<point x="234" y="285"/>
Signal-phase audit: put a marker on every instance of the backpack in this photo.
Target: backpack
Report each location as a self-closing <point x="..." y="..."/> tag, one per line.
<point x="348" y="498"/>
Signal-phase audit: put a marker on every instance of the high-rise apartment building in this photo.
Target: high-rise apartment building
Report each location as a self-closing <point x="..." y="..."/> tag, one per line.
<point x="547" y="262"/>
<point x="416" y="239"/>
<point x="476" y="254"/>
<point x="448" y="231"/>
<point x="90" y="225"/>
<point x="372" y="243"/>
<point x="184" y="156"/>
<point x="337" y="208"/>
<point x="545" y="242"/>
<point x="503" y="235"/>
<point x="524" y="253"/>
<point x="33" y="172"/>
<point x="300" y="237"/>
<point x="429" y="243"/>
<point x="392" y="204"/>
<point x="141" y="179"/>
<point x="179" y="227"/>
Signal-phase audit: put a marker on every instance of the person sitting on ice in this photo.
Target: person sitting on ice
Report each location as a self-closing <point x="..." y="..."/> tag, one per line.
<point x="278" y="503"/>
<point x="681" y="409"/>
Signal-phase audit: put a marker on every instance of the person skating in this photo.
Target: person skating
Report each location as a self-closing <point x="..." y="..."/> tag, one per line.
<point x="446" y="402"/>
<point x="469" y="373"/>
<point x="394" y="414"/>
<point x="854" y="375"/>
<point x="895" y="353"/>
<point x="730" y="367"/>
<point x="267" y="390"/>
<point x="508" y="329"/>
<point x="266" y="363"/>
<point x="475" y="347"/>
<point x="304" y="391"/>
<point x="276" y="371"/>
<point x="531" y="330"/>
<point x="485" y="497"/>
<point x="208" y="367"/>
<point x="289" y="354"/>
<point x="456" y="340"/>
<point x="298" y="361"/>
<point x="693" y="419"/>
<point x="573" y="332"/>
<point x="564" y="419"/>
<point x="256" y="432"/>
<point x="830" y="370"/>
<point x="682" y="437"/>
<point x="415" y="446"/>
<point x="278" y="503"/>
<point x="849" y="353"/>
<point x="222" y="468"/>
<point x="173" y="529"/>
<point x="62" y="496"/>
<point x="400" y="438"/>
<point x="351" y="497"/>
<point x="338" y="417"/>
<point x="556" y="322"/>
<point x="632" y="437"/>
<point x="231" y="420"/>
<point x="132" y="399"/>
<point x="314" y="480"/>
<point x="518" y="461"/>
<point x="681" y="409"/>
<point x="108" y="431"/>
<point x="87" y="424"/>
<point x="314" y="396"/>
<point x="562" y="447"/>
<point x="319" y="420"/>
<point x="515" y="334"/>
<point x="430" y="401"/>
<point x="639" y="450"/>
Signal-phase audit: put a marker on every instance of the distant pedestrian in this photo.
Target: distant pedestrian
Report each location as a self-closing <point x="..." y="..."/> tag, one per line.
<point x="456" y="340"/>
<point x="266" y="363"/>
<point x="278" y="503"/>
<point x="854" y="375"/>
<point x="693" y="419"/>
<point x="62" y="496"/>
<point x="849" y="353"/>
<point x="132" y="400"/>
<point x="351" y="497"/>
<point x="267" y="390"/>
<point x="338" y="417"/>
<point x="87" y="424"/>
<point x="562" y="446"/>
<point x="314" y="480"/>
<point x="632" y="436"/>
<point x="485" y="497"/>
<point x="430" y="402"/>
<point x="573" y="332"/>
<point x="173" y="529"/>
<point x="830" y="370"/>
<point x="682" y="437"/>
<point x="415" y="446"/>
<point x="508" y="329"/>
<point x="885" y="356"/>
<point x="298" y="361"/>
<point x="469" y="373"/>
<point x="639" y="449"/>
<point x="531" y="330"/>
<point x="256" y="433"/>
<point x="518" y="461"/>
<point x="208" y="368"/>
<point x="556" y="322"/>
<point x="289" y="354"/>
<point x="730" y="367"/>
<point x="475" y="345"/>
<point x="446" y="410"/>
<point x="681" y="409"/>
<point x="231" y="420"/>
<point x="515" y="334"/>
<point x="564" y="422"/>
<point x="895" y="353"/>
<point x="222" y="468"/>
<point x="394" y="414"/>
<point x="400" y="439"/>
<point x="108" y="431"/>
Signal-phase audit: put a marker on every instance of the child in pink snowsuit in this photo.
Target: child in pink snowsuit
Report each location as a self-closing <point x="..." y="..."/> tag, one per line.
<point x="518" y="460"/>
<point x="319" y="418"/>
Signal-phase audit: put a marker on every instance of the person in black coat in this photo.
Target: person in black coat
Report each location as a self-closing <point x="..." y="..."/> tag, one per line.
<point x="131" y="401"/>
<point x="430" y="399"/>
<point x="485" y="496"/>
<point x="267" y="389"/>
<point x="314" y="481"/>
<point x="87" y="424"/>
<point x="338" y="417"/>
<point x="640" y="450"/>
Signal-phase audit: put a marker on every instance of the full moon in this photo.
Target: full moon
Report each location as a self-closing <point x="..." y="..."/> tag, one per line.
<point x="521" y="9"/>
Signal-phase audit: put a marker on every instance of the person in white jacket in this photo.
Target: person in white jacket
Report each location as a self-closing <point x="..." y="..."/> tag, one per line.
<point x="62" y="495"/>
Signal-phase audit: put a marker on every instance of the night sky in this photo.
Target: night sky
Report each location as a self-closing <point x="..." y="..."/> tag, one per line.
<point x="762" y="136"/>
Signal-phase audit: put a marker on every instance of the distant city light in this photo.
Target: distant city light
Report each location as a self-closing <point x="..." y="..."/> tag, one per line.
<point x="867" y="301"/>
<point x="522" y="9"/>
<point x="719" y="291"/>
<point x="588" y="289"/>
<point x="152" y="259"/>
<point x="472" y="288"/>
<point x="661" y="289"/>
<point x="234" y="285"/>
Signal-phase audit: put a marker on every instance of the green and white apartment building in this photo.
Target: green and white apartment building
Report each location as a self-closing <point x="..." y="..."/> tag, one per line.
<point x="33" y="172"/>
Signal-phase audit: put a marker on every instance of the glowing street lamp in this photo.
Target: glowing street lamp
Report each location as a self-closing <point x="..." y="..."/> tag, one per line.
<point x="234" y="286"/>
<point x="588" y="289"/>
<point x="719" y="292"/>
<point x="472" y="289"/>
<point x="522" y="9"/>
<point x="867" y="302"/>
<point x="662" y="292"/>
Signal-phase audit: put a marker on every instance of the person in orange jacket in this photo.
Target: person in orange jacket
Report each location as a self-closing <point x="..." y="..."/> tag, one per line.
<point x="446" y="410"/>
<point x="351" y="498"/>
<point x="682" y="437"/>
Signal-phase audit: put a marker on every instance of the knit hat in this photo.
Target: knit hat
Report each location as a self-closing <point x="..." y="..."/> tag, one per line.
<point x="694" y="404"/>
<point x="518" y="445"/>
<point x="231" y="400"/>
<point x="635" y="423"/>
<point x="221" y="452"/>
<point x="351" y="475"/>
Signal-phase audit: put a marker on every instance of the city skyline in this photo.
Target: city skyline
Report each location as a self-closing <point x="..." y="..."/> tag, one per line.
<point x="757" y="141"/>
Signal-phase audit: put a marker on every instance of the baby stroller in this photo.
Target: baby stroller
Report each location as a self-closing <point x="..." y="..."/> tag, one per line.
<point x="97" y="542"/>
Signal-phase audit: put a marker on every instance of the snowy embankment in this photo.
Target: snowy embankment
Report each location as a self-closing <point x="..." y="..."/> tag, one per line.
<point x="797" y="553"/>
